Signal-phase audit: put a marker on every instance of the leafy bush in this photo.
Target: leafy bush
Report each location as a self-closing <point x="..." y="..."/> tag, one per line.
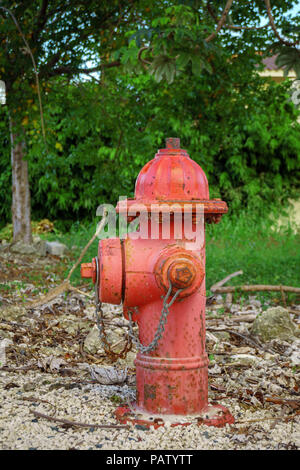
<point x="241" y="129"/>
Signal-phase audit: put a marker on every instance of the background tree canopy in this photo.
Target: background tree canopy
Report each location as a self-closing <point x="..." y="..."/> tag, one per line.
<point x="116" y="78"/>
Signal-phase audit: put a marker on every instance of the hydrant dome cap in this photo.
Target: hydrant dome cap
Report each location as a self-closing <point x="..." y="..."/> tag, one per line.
<point x="171" y="176"/>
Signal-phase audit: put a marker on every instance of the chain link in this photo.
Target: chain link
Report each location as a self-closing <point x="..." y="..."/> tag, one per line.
<point x="102" y="333"/>
<point x="161" y="325"/>
<point x="131" y="336"/>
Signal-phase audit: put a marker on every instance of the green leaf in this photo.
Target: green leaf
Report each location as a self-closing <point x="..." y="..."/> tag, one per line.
<point x="183" y="59"/>
<point x="163" y="67"/>
<point x="197" y="66"/>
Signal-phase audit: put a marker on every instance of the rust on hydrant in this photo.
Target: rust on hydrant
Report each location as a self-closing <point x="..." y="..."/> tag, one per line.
<point x="160" y="280"/>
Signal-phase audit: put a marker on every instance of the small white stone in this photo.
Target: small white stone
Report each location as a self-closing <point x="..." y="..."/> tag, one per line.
<point x="246" y="359"/>
<point x="295" y="358"/>
<point x="56" y="248"/>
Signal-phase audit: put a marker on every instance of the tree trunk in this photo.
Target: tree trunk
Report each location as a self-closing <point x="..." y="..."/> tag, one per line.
<point x="21" y="214"/>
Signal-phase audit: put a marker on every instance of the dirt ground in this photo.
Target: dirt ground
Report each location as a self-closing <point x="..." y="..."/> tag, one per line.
<point x="55" y="395"/>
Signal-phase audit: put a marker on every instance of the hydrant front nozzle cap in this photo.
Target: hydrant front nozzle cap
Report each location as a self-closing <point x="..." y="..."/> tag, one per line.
<point x="173" y="143"/>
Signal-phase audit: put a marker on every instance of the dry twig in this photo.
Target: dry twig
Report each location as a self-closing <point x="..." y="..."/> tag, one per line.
<point x="65" y="285"/>
<point x="223" y="281"/>
<point x="235" y="318"/>
<point x="67" y="422"/>
<point x="256" y="288"/>
<point x="278" y="418"/>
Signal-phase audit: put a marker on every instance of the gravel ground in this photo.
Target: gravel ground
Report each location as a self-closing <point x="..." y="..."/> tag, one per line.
<point x="51" y="352"/>
<point x="94" y="404"/>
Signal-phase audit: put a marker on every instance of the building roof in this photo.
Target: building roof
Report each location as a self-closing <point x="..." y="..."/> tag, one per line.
<point x="272" y="70"/>
<point x="269" y="63"/>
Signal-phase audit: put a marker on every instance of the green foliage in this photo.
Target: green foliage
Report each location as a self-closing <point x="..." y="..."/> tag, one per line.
<point x="249" y="242"/>
<point x="241" y="131"/>
<point x="289" y="58"/>
<point x="245" y="137"/>
<point x="240" y="241"/>
<point x="183" y="33"/>
<point x="163" y="67"/>
<point x="288" y="52"/>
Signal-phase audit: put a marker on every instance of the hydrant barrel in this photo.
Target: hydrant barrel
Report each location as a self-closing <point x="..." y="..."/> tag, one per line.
<point x="161" y="283"/>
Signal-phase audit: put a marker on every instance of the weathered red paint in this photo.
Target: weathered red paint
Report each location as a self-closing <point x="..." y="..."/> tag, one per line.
<point x="172" y="379"/>
<point x="220" y="417"/>
<point x="111" y="271"/>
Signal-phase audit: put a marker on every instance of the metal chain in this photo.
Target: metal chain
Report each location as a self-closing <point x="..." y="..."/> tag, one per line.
<point x="100" y="324"/>
<point x="161" y="325"/>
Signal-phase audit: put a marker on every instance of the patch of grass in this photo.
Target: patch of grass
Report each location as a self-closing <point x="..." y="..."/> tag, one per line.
<point x="116" y="399"/>
<point x="12" y="285"/>
<point x="249" y="244"/>
<point x="242" y="242"/>
<point x="6" y="287"/>
<point x="76" y="239"/>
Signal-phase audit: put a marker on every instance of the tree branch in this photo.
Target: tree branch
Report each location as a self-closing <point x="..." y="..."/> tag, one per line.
<point x="73" y="71"/>
<point x="51" y="62"/>
<point x="219" y="284"/>
<point x="41" y="19"/>
<point x="272" y="23"/>
<point x="67" y="422"/>
<point x="29" y="51"/>
<point x="235" y="27"/>
<point x="221" y="22"/>
<point x="143" y="61"/>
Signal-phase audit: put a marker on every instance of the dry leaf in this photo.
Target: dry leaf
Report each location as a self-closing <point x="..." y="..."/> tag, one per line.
<point x="108" y="375"/>
<point x="51" y="363"/>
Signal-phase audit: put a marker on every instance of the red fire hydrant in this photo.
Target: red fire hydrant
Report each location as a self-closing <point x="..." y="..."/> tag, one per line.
<point x="161" y="283"/>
